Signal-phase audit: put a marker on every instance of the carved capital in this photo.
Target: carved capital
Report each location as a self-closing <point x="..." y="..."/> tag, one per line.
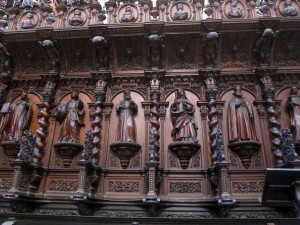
<point x="211" y="93"/>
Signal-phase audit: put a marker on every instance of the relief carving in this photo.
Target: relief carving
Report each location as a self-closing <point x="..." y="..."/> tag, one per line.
<point x="254" y="215"/>
<point x="77" y="19"/>
<point x="235" y="11"/>
<point x="180" y="13"/>
<point x="247" y="187"/>
<point x="185" y="187"/>
<point x="289" y="10"/>
<point x="123" y="186"/>
<point x="122" y="214"/>
<point x="186" y="215"/>
<point x="129" y="15"/>
<point x="63" y="185"/>
<point x="5" y="184"/>
<point x="29" y="22"/>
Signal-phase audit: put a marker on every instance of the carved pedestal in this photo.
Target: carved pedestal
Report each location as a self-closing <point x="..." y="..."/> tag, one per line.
<point x="125" y="151"/>
<point x="11" y="149"/>
<point x="184" y="151"/>
<point x="245" y="150"/>
<point x="67" y="151"/>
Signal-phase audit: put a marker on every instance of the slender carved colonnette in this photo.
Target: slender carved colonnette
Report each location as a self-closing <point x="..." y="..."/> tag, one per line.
<point x="154" y="124"/>
<point x="41" y="135"/>
<point x="269" y="93"/>
<point x="96" y="123"/>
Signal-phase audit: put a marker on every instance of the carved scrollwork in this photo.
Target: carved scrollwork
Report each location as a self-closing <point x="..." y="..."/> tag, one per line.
<point x="247" y="187"/>
<point x="63" y="185"/>
<point x="185" y="187"/>
<point x="123" y="186"/>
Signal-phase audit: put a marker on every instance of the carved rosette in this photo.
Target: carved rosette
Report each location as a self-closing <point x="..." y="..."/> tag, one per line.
<point x="245" y="150"/>
<point x="67" y="151"/>
<point x="125" y="151"/>
<point x="184" y="151"/>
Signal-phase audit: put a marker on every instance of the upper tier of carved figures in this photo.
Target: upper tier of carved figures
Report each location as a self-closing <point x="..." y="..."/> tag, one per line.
<point x="16" y="15"/>
<point x="72" y="120"/>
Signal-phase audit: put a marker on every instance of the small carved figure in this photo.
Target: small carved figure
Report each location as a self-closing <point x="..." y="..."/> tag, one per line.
<point x="52" y="54"/>
<point x="264" y="9"/>
<point x="29" y="4"/>
<point x="180" y="14"/>
<point x="17" y="119"/>
<point x="126" y="110"/>
<point x="264" y="45"/>
<point x="102" y="51"/>
<point x="50" y="19"/>
<point x="5" y="60"/>
<point x="209" y="51"/>
<point x="28" y="22"/>
<point x="184" y="125"/>
<point x="240" y="118"/>
<point x="234" y="11"/>
<point x="128" y="16"/>
<point x="289" y="10"/>
<point x="71" y="115"/>
<point x="293" y="107"/>
<point x="77" y="19"/>
<point x="155" y="49"/>
<point x="4" y="23"/>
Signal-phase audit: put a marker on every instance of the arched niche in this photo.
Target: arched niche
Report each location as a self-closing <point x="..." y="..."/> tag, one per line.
<point x="168" y="159"/>
<point x="258" y="160"/>
<point x="85" y="98"/>
<point x="137" y="160"/>
<point x="285" y="118"/>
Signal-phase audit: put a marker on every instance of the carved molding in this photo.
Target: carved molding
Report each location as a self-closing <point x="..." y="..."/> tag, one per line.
<point x="123" y="186"/>
<point x="123" y="214"/>
<point x="185" y="187"/>
<point x="63" y="185"/>
<point x="247" y="187"/>
<point x="56" y="212"/>
<point x="253" y="215"/>
<point x="186" y="215"/>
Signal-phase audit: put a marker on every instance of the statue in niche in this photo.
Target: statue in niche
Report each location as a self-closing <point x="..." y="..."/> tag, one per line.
<point x="102" y="51"/>
<point x="126" y="110"/>
<point x="289" y="10"/>
<point x="155" y="48"/>
<point x="264" y="9"/>
<point x="52" y="54"/>
<point x="264" y="45"/>
<point x="17" y="120"/>
<point x="77" y="19"/>
<point x="209" y="51"/>
<point x="293" y="107"/>
<point x="128" y="16"/>
<point x="28" y="22"/>
<point x="240" y="118"/>
<point x="71" y="116"/>
<point x="184" y="125"/>
<point x="180" y="14"/>
<point x="5" y="60"/>
<point x="234" y="11"/>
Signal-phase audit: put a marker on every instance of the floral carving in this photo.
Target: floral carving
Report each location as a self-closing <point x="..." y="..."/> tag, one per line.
<point x="185" y="187"/>
<point x="122" y="214"/>
<point x="63" y="185"/>
<point x="254" y="215"/>
<point x="186" y="215"/>
<point x="123" y="186"/>
<point x="247" y="187"/>
<point x="5" y="183"/>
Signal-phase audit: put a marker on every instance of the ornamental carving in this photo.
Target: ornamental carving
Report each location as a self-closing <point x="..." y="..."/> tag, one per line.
<point x="185" y="187"/>
<point x="128" y="13"/>
<point x="253" y="215"/>
<point x="28" y="20"/>
<point x="77" y="17"/>
<point x="5" y="184"/>
<point x="247" y="187"/>
<point x="123" y="186"/>
<point x="180" y="11"/>
<point x="56" y="212"/>
<point x="63" y="185"/>
<point x="234" y="9"/>
<point x="186" y="215"/>
<point x="288" y="8"/>
<point x="123" y="214"/>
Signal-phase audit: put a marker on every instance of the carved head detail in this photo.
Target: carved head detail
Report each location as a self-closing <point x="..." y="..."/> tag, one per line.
<point x="179" y="7"/>
<point x="127" y="94"/>
<point x="24" y="96"/>
<point x="75" y="94"/>
<point x="237" y="91"/>
<point x="293" y="90"/>
<point x="180" y="93"/>
<point x="47" y="43"/>
<point x="268" y="32"/>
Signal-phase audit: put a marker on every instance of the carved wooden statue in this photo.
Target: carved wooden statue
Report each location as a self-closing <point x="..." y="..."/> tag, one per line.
<point x="52" y="54"/>
<point x="293" y="107"/>
<point x="102" y="51"/>
<point x="126" y="110"/>
<point x="209" y="50"/>
<point x="184" y="126"/>
<point x="28" y="23"/>
<point x="77" y="19"/>
<point x="155" y="50"/>
<point x="17" y="120"/>
<point x="289" y="10"/>
<point x="180" y="14"/>
<point x="240" y="118"/>
<point x="264" y="45"/>
<point x="128" y="16"/>
<point x="71" y="115"/>
<point x="5" y="60"/>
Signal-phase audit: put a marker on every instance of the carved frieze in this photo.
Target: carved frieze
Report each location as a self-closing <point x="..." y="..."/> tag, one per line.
<point x="185" y="187"/>
<point x="5" y="183"/>
<point x="253" y="215"/>
<point x="63" y="185"/>
<point x="186" y="215"/>
<point x="247" y="186"/>
<point x="123" y="186"/>
<point x="123" y="214"/>
<point x="56" y="212"/>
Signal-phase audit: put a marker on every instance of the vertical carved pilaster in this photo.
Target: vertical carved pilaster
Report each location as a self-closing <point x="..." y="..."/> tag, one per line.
<point x="3" y="93"/>
<point x="268" y="94"/>
<point x="41" y="131"/>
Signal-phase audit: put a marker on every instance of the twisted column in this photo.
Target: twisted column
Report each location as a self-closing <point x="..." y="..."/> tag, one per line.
<point x="96" y="123"/>
<point x="268" y="93"/>
<point x="48" y="97"/>
<point x="215" y="134"/>
<point x="154" y="122"/>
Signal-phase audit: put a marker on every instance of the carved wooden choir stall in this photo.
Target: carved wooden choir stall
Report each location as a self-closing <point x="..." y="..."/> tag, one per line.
<point x="138" y="112"/>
